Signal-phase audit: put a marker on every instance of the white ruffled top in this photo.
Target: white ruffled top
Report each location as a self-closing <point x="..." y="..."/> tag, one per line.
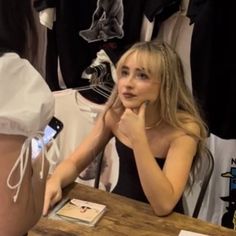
<point x="26" y="107"/>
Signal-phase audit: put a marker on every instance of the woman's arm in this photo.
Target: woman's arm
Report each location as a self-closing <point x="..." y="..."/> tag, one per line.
<point x="163" y="188"/>
<point x="17" y="218"/>
<point x="71" y="167"/>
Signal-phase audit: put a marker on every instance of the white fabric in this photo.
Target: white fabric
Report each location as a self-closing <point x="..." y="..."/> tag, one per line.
<point x="47" y="17"/>
<point x="177" y="32"/>
<point x="26" y="103"/>
<point x="222" y="181"/>
<point x="146" y="29"/>
<point x="102" y="57"/>
<point x="21" y="163"/>
<point x="110" y="173"/>
<point x="78" y="116"/>
<point x="26" y="107"/>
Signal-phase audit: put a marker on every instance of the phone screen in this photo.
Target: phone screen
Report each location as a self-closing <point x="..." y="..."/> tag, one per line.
<point x="51" y="131"/>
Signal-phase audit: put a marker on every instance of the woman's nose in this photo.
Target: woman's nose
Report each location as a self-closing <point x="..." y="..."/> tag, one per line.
<point x="129" y="82"/>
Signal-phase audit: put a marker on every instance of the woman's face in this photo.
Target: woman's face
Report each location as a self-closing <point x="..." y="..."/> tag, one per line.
<point x="135" y="85"/>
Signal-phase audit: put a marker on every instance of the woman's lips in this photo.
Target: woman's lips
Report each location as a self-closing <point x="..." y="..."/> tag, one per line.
<point x="128" y="95"/>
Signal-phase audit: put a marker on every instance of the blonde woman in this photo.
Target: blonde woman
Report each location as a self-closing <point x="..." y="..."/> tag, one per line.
<point x="157" y="127"/>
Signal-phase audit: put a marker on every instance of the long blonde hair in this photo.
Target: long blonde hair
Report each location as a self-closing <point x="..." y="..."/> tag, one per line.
<point x="160" y="60"/>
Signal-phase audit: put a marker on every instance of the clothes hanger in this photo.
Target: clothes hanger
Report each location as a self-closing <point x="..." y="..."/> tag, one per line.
<point x="101" y="83"/>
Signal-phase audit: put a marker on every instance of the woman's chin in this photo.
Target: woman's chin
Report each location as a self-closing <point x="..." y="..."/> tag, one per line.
<point x="131" y="106"/>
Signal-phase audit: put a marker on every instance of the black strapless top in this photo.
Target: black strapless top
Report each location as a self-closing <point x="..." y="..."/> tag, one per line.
<point x="129" y="184"/>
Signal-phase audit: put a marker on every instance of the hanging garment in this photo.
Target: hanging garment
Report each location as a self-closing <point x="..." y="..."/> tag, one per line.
<point x="74" y="42"/>
<point x="213" y="63"/>
<point x="159" y="11"/>
<point x="177" y="32"/>
<point x="78" y="116"/>
<point x="218" y="205"/>
<point x="82" y="28"/>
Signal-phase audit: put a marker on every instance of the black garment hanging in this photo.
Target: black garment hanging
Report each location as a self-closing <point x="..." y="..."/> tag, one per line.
<point x="71" y="41"/>
<point x="160" y="10"/>
<point x="74" y="52"/>
<point x="213" y="61"/>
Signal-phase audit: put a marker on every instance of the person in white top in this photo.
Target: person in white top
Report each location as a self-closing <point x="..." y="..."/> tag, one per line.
<point x="26" y="107"/>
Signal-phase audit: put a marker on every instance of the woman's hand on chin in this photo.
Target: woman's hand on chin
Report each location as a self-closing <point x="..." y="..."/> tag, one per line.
<point x="132" y="122"/>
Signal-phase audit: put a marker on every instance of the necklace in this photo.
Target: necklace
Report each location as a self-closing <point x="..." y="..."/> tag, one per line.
<point x="155" y="125"/>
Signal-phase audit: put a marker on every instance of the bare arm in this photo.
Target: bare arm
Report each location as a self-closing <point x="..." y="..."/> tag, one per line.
<point x="70" y="168"/>
<point x="30" y="199"/>
<point x="164" y="188"/>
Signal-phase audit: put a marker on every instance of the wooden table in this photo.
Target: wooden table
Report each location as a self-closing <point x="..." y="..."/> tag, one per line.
<point x="124" y="217"/>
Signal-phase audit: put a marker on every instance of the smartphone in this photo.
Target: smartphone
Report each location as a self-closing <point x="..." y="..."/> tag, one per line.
<point x="51" y="131"/>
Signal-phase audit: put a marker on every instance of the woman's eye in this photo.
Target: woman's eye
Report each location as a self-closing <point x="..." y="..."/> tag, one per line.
<point x="124" y="73"/>
<point x="142" y="76"/>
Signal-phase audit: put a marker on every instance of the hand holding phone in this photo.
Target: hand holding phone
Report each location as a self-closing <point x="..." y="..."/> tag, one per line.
<point x="50" y="132"/>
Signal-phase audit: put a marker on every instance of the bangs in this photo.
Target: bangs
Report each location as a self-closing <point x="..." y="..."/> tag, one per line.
<point x="148" y="60"/>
